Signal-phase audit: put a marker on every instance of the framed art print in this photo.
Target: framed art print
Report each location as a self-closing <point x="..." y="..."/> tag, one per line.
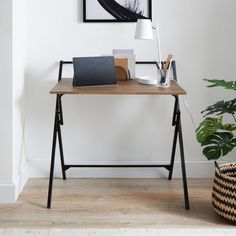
<point x="116" y="10"/>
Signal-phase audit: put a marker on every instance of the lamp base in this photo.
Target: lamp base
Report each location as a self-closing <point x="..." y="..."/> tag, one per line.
<point x="147" y="80"/>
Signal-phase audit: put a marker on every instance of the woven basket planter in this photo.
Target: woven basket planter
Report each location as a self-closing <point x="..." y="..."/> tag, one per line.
<point x="224" y="191"/>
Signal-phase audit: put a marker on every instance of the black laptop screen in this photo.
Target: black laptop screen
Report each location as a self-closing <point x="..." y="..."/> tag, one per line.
<point x="90" y="71"/>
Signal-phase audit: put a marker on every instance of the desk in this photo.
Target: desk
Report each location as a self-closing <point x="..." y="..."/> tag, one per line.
<point x="130" y="87"/>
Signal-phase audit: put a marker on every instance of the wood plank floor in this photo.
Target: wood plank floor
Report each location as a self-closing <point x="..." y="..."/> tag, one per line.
<point x="112" y="203"/>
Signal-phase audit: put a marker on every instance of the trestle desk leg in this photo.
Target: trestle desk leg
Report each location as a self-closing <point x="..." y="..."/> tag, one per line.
<point x="179" y="135"/>
<point x="173" y="153"/>
<point x="52" y="163"/>
<point x="54" y="141"/>
<point x="184" y="177"/>
<point x="175" y="124"/>
<point x="61" y="153"/>
<point x="60" y="115"/>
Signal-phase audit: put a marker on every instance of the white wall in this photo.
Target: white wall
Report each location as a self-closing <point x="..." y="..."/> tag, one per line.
<point x="13" y="168"/>
<point x="124" y="129"/>
<point x="6" y="169"/>
<point x="20" y="41"/>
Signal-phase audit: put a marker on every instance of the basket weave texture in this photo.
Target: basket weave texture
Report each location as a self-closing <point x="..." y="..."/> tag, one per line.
<point x="224" y="191"/>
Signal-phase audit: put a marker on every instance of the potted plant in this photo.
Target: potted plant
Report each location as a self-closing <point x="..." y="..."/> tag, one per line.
<point x="218" y="139"/>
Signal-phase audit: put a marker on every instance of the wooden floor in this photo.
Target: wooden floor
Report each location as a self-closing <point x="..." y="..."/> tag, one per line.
<point x="112" y="203"/>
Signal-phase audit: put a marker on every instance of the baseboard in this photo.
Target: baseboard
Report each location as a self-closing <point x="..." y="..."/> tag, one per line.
<point x="10" y="192"/>
<point x="204" y="169"/>
<point x="120" y="232"/>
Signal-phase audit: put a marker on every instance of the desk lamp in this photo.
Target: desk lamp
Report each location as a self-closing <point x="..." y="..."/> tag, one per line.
<point x="144" y="31"/>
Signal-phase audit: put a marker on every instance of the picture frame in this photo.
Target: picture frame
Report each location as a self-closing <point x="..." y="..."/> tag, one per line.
<point x="95" y="11"/>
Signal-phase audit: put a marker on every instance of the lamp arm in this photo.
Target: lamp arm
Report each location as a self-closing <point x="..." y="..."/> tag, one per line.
<point x="159" y="47"/>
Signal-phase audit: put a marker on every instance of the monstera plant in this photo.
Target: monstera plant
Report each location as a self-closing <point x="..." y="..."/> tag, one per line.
<point x="215" y="136"/>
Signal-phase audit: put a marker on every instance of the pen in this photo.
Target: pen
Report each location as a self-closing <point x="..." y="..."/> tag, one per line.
<point x="168" y="61"/>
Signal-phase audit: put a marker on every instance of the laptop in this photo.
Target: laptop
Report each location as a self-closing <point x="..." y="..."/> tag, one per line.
<point x="89" y="71"/>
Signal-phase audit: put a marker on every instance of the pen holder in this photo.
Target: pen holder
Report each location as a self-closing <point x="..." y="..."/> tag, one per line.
<point x="165" y="78"/>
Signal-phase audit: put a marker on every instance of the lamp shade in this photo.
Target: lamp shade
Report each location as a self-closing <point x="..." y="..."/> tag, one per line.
<point x="144" y="29"/>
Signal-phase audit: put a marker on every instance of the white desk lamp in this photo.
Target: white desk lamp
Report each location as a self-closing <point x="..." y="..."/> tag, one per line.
<point x="144" y="31"/>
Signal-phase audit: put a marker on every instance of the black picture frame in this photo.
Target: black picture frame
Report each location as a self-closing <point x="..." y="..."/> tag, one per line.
<point x="85" y="20"/>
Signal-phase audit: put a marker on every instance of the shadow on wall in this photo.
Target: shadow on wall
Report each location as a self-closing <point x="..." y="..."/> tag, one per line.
<point x="36" y="100"/>
<point x="80" y="11"/>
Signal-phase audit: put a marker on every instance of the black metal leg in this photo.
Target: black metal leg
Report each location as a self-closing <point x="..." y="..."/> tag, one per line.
<point x="174" y="123"/>
<point x="60" y="118"/>
<point x="52" y="161"/>
<point x="173" y="153"/>
<point x="184" y="177"/>
<point x="61" y="153"/>
<point x="178" y="134"/>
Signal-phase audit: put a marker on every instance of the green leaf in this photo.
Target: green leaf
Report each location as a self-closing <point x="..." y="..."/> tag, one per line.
<point x="222" y="83"/>
<point x="229" y="127"/>
<point x="221" y="107"/>
<point x="218" y="144"/>
<point x="207" y="127"/>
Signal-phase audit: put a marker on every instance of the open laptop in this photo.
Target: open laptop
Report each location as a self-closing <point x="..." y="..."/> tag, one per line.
<point x="89" y="71"/>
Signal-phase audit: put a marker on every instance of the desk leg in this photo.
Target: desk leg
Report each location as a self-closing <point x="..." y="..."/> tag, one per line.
<point x="186" y="197"/>
<point x="56" y="124"/>
<point x="60" y="114"/>
<point x="175" y="124"/>
<point x="61" y="153"/>
<point x="57" y="131"/>
<point x="178" y="134"/>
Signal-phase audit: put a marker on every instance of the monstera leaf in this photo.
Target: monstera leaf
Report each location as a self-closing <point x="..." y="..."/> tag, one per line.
<point x="221" y="107"/>
<point x="218" y="145"/>
<point x="210" y="126"/>
<point x="216" y="138"/>
<point x="207" y="127"/>
<point x="222" y="83"/>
